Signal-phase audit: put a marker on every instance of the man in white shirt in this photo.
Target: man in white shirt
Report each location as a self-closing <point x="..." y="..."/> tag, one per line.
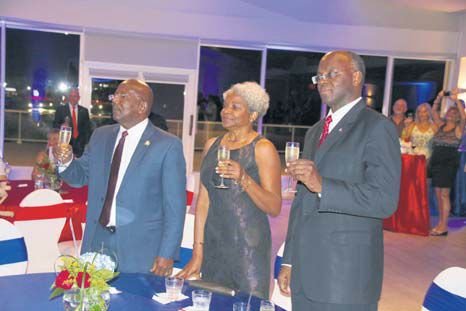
<point x="137" y="185"/>
<point x="349" y="174"/>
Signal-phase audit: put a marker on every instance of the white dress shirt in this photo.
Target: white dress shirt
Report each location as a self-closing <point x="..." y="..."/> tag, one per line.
<point x="340" y="113"/>
<point x="75" y="107"/>
<point x="131" y="142"/>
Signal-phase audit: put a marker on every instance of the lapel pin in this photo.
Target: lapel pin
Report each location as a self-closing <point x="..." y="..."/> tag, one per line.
<point x="147" y="143"/>
<point x="340" y="130"/>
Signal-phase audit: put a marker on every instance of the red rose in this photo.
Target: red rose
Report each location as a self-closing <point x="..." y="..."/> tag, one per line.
<point x="87" y="279"/>
<point x="64" y="280"/>
<point x="46" y="166"/>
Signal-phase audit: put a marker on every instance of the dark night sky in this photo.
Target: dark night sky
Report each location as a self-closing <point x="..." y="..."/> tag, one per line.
<point x="48" y="56"/>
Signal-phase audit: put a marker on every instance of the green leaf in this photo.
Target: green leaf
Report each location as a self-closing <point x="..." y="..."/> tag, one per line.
<point x="56" y="292"/>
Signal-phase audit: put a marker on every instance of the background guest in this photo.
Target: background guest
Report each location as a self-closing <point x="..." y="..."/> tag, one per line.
<point x="4" y="187"/>
<point x="445" y="157"/>
<point x="158" y="121"/>
<point x="232" y="234"/>
<point x="399" y="115"/>
<point x="46" y="155"/>
<point x="77" y="117"/>
<point x="421" y="131"/>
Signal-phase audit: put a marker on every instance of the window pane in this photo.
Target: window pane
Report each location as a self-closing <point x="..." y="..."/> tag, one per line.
<point x="168" y="107"/>
<point x="219" y="69"/>
<point x="40" y="66"/>
<point x="374" y="86"/>
<point x="417" y="81"/>
<point x="294" y="101"/>
<point x="101" y="105"/>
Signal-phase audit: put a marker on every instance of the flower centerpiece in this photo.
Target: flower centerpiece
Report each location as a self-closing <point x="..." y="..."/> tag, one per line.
<point x="47" y="168"/>
<point x="84" y="281"/>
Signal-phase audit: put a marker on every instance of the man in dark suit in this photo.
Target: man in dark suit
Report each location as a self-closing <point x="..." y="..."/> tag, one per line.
<point x="136" y="175"/>
<point x="76" y="117"/>
<point x="349" y="177"/>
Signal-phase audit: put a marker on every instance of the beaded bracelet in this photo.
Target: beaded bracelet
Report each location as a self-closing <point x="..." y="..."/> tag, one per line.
<point x="245" y="182"/>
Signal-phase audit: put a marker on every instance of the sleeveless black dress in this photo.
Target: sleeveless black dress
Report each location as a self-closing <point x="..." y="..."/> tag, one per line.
<point x="237" y="240"/>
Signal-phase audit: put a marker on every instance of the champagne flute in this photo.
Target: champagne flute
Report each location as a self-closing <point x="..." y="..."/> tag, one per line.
<point x="64" y="138"/>
<point x="223" y="154"/>
<point x="291" y="154"/>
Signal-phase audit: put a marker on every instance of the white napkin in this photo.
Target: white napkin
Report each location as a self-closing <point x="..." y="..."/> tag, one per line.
<point x="114" y="291"/>
<point x="22" y="185"/>
<point x="163" y="298"/>
<point x="68" y="201"/>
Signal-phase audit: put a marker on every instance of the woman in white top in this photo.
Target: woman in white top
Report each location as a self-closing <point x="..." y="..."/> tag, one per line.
<point x="421" y="131"/>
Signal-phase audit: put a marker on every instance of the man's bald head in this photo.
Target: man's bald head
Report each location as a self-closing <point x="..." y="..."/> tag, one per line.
<point x="142" y="89"/>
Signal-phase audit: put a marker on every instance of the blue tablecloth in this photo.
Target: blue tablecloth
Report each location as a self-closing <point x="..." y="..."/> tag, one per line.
<point x="31" y="292"/>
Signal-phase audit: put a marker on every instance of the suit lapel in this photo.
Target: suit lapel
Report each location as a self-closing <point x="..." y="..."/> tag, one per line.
<point x="311" y="148"/>
<point x="146" y="140"/>
<point x="339" y="131"/>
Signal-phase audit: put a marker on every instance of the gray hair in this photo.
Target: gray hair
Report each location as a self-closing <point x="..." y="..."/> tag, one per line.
<point x="253" y="94"/>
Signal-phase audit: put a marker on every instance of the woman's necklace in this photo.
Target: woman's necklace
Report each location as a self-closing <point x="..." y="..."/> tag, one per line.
<point x="234" y="140"/>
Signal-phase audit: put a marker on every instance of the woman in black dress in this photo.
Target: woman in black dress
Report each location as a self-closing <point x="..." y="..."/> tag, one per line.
<point x="445" y="157"/>
<point x="232" y="241"/>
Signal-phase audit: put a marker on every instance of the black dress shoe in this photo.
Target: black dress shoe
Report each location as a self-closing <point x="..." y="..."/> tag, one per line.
<point x="436" y="233"/>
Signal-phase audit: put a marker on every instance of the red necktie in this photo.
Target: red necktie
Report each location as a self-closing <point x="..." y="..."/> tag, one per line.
<point x="324" y="135"/>
<point x="112" y="180"/>
<point x="75" y="123"/>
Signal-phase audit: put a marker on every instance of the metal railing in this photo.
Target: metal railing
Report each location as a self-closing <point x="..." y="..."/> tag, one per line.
<point x="20" y="127"/>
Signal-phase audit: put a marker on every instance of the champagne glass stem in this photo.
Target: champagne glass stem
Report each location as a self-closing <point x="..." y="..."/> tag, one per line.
<point x="288" y="188"/>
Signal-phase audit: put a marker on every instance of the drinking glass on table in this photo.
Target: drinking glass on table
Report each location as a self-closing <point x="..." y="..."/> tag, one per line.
<point x="201" y="299"/>
<point x="291" y="154"/>
<point x="64" y="138"/>
<point x="267" y="305"/>
<point x="240" y="306"/>
<point x="223" y="154"/>
<point x="173" y="286"/>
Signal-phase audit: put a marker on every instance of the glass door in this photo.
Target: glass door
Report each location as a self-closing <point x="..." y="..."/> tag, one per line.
<point x="174" y="100"/>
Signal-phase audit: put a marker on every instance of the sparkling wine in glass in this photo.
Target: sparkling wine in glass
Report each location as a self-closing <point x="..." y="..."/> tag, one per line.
<point x="223" y="154"/>
<point x="291" y="154"/>
<point x="64" y="137"/>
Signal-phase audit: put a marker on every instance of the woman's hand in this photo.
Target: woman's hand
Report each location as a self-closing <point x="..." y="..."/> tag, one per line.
<point x="192" y="269"/>
<point x="230" y="169"/>
<point x="454" y="94"/>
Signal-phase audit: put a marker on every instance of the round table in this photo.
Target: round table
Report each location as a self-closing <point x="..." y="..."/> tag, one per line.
<point x="31" y="292"/>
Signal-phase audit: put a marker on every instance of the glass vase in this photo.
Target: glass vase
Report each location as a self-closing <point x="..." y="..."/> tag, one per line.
<point x="54" y="182"/>
<point x="87" y="299"/>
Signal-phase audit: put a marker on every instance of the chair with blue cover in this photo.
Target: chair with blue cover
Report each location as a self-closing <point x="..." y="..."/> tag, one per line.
<point x="278" y="298"/>
<point x="447" y="291"/>
<point x="13" y="252"/>
<point x="41" y="235"/>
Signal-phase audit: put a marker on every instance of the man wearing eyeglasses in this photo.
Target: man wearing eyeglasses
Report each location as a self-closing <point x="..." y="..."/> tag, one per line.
<point x="349" y="177"/>
<point x="77" y="117"/>
<point x="137" y="185"/>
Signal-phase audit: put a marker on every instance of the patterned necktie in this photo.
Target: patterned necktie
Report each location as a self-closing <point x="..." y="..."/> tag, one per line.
<point x="75" y="123"/>
<point x="112" y="180"/>
<point x="324" y="135"/>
